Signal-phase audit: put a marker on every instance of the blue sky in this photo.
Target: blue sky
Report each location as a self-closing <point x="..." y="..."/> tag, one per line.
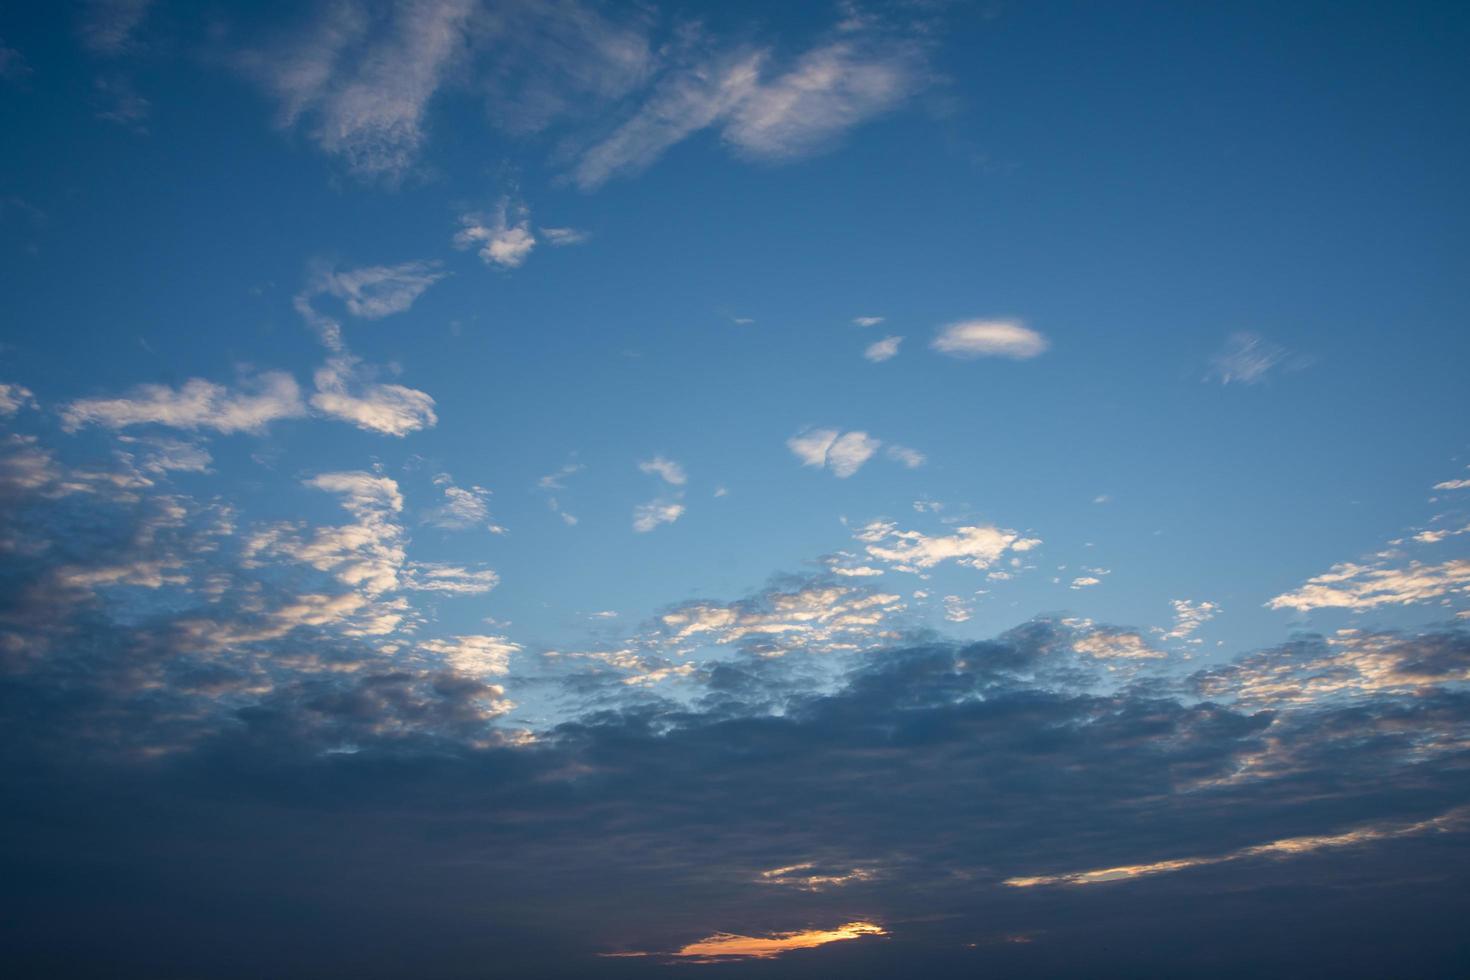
<point x="589" y="353"/>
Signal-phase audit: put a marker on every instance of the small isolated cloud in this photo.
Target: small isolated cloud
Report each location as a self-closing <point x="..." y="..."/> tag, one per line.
<point x="844" y="454"/>
<point x="1085" y="581"/>
<point x="13" y="398"/>
<point x="463" y="507"/>
<point x="989" y="338"/>
<point x="345" y="391"/>
<point x="1463" y="484"/>
<point x="976" y="547"/>
<point x="504" y="235"/>
<point x="882" y="350"/>
<point x="665" y="469"/>
<point x="1246" y="359"/>
<point x="867" y="321"/>
<point x="558" y="237"/>
<point x="376" y="291"/>
<point x="198" y="404"/>
<point x="957" y="609"/>
<point x="1189" y="616"/>
<point x="648" y="516"/>
<point x="909" y="458"/>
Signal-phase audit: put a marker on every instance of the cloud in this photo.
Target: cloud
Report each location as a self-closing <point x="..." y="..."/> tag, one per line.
<point x="108" y="26"/>
<point x="976" y="546"/>
<point x="561" y="237"/>
<point x="504" y="235"/>
<point x="463" y="507"/>
<point x="665" y="469"/>
<point x="1085" y="581"/>
<point x="1189" y="616"/>
<point x="345" y="392"/>
<point x="812" y="616"/>
<point x="1358" y="587"/>
<point x="1453" y="485"/>
<point x="648" y="516"/>
<point x="989" y="338"/>
<point x="361" y="79"/>
<point x="910" y="458"/>
<point x="198" y="404"/>
<point x="762" y="114"/>
<point x="724" y="946"/>
<point x="843" y="454"/>
<point x="1246" y="358"/>
<point x="867" y="321"/>
<point x="13" y="398"/>
<point x="882" y="350"/>
<point x="474" y="655"/>
<point x="376" y="291"/>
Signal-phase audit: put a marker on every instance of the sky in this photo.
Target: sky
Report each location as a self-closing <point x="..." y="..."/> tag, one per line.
<point x="547" y="487"/>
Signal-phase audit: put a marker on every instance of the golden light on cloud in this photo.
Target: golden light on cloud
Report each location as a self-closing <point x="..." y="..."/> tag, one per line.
<point x="1452" y="820"/>
<point x="729" y="946"/>
<point x="806" y="877"/>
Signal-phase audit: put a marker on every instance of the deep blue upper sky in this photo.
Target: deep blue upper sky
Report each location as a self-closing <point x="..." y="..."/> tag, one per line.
<point x="593" y="354"/>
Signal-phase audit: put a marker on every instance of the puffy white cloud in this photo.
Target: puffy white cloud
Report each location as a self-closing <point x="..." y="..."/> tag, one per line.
<point x="882" y="350"/>
<point x="1111" y="643"/>
<point x="665" y="469"/>
<point x="1085" y="581"/>
<point x="1246" y="358"/>
<point x="476" y="654"/>
<point x="345" y="392"/>
<point x="197" y="404"/>
<point x="913" y="551"/>
<point x="867" y="321"/>
<point x="843" y="454"/>
<point x="989" y="338"/>
<point x="504" y="235"/>
<point x="648" y="516"/>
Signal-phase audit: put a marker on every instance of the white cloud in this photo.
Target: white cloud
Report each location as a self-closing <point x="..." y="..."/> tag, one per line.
<point x="376" y="291"/>
<point x="665" y="469"/>
<point x="843" y="454"/>
<point x="463" y="507"/>
<point x="913" y="551"/>
<point x="559" y="237"/>
<point x="504" y="234"/>
<point x="814" y="618"/>
<point x="474" y="654"/>
<point x="13" y="398"/>
<point x="198" y="404"/>
<point x="829" y="90"/>
<point x="882" y="350"/>
<point x="1190" y="616"/>
<point x="1246" y="358"/>
<point x="1085" y="581"/>
<point x="910" y="458"/>
<point x="1353" y="586"/>
<point x="648" y="516"/>
<point x="762" y="114"/>
<point x="1453" y="485"/>
<point x="867" y="321"/>
<point x="345" y="392"/>
<point x="1109" y="643"/>
<point x="989" y="338"/>
<point x="364" y="87"/>
<point x="957" y="609"/>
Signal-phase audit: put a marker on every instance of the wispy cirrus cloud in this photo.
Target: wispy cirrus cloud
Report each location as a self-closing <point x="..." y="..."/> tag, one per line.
<point x="1246" y="358"/>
